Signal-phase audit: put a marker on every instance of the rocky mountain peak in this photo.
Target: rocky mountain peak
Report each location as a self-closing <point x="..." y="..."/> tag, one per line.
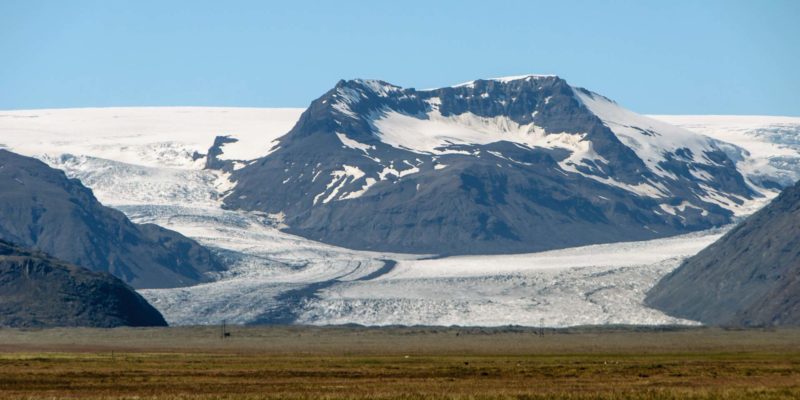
<point x="529" y="143"/>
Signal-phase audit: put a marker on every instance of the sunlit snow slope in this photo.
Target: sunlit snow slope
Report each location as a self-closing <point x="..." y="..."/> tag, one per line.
<point x="148" y="163"/>
<point x="772" y="143"/>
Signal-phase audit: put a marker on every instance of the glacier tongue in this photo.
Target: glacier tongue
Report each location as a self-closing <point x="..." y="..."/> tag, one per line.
<point x="279" y="278"/>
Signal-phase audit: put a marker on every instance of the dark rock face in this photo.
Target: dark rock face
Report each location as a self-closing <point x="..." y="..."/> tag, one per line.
<point x="749" y="277"/>
<point x="41" y="208"/>
<point x="336" y="179"/>
<point x="39" y="291"/>
<point x="212" y="158"/>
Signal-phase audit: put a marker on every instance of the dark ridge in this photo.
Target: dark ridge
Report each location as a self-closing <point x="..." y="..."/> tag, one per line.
<point x="43" y="209"/>
<point x="749" y="277"/>
<point x="38" y="291"/>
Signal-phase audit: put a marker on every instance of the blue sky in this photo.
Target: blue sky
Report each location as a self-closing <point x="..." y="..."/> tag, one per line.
<point x="680" y="57"/>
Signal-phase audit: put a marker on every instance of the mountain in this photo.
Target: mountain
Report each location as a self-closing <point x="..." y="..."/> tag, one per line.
<point x="139" y="161"/>
<point x="750" y="276"/>
<point x="41" y="208"/>
<point x="39" y="291"/>
<point x="505" y="165"/>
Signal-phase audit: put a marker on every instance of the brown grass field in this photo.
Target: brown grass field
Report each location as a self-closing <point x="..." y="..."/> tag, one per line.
<point x="399" y="363"/>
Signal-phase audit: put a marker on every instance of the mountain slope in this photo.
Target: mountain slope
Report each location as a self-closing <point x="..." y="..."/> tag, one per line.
<point x="491" y="166"/>
<point x="39" y="291"/>
<point x="771" y="145"/>
<point x="751" y="276"/>
<point x="41" y="208"/>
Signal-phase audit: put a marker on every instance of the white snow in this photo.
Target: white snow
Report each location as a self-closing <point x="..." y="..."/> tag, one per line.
<point x="585" y="285"/>
<point x="649" y="138"/>
<point x="346" y="97"/>
<point x="763" y="148"/>
<point x="581" y="149"/>
<point x="348" y="174"/>
<point x="507" y="79"/>
<point x="353" y="144"/>
<point x="380" y="88"/>
<point x="673" y="210"/>
<point x="148" y="136"/>
<point x="624" y="254"/>
<point x="137" y="163"/>
<point x="434" y="134"/>
<point x="771" y="144"/>
<point x="119" y="183"/>
<point x="368" y="182"/>
<point x="390" y="170"/>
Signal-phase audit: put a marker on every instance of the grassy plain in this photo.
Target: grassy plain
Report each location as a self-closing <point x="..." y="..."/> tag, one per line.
<point x="400" y="363"/>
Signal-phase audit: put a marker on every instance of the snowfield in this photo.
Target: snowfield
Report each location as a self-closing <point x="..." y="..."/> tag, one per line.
<point x="149" y="136"/>
<point x="144" y="162"/>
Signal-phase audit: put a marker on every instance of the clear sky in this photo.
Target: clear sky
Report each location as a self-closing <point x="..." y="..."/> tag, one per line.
<point x="667" y="56"/>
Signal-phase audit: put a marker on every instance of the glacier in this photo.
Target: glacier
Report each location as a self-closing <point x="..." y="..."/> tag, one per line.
<point x="143" y="161"/>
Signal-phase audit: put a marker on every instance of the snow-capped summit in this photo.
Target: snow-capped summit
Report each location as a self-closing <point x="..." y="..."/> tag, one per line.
<point x="377" y="86"/>
<point x="506" y="79"/>
<point x="500" y="165"/>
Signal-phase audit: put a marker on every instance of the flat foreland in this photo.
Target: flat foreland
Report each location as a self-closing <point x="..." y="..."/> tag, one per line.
<point x="408" y="363"/>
